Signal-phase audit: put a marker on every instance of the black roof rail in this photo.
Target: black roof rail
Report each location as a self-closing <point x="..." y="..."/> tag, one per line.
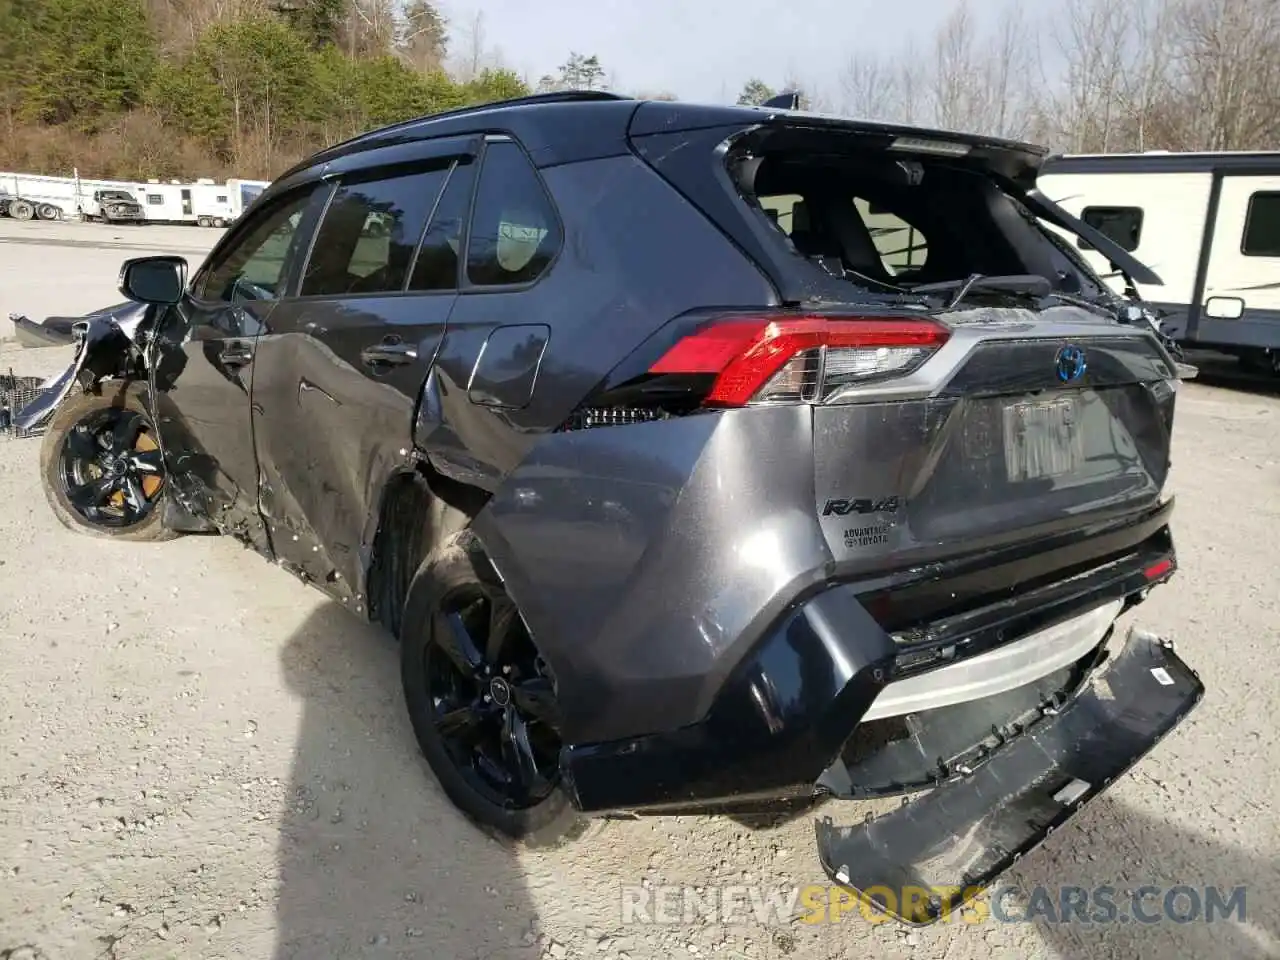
<point x="532" y="99"/>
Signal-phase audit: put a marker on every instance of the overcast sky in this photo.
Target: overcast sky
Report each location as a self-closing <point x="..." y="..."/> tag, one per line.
<point x="697" y="49"/>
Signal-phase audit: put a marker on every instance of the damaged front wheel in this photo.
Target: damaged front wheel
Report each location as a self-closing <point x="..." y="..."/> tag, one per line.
<point x="101" y="466"/>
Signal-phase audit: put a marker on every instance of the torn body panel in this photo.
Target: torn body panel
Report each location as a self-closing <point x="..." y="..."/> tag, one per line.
<point x="974" y="826"/>
<point x="106" y="345"/>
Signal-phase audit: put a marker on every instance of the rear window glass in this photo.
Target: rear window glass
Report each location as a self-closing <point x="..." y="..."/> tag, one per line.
<point x="889" y="223"/>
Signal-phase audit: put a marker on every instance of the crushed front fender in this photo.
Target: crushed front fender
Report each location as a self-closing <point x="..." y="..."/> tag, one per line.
<point x="929" y="857"/>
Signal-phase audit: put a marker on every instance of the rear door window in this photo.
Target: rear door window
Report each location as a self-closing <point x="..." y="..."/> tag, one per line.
<point x="370" y="231"/>
<point x="436" y="267"/>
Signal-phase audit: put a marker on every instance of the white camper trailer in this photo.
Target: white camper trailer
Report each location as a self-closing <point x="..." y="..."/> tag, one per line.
<point x="1207" y="223"/>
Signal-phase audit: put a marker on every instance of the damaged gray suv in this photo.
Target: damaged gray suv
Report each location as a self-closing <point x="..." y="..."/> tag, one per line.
<point x="701" y="459"/>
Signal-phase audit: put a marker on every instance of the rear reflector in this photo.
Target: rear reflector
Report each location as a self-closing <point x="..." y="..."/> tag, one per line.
<point x="772" y="359"/>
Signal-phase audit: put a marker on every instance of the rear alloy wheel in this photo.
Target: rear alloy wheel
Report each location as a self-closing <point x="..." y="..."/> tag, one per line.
<point x="482" y="701"/>
<point x="102" y="467"/>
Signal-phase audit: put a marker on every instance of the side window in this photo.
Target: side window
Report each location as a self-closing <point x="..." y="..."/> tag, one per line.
<point x="1121" y="224"/>
<point x="437" y="265"/>
<point x="1262" y="226"/>
<point x="154" y="199"/>
<point x="251" y="268"/>
<point x="370" y="231"/>
<point x="514" y="231"/>
<point x="901" y="245"/>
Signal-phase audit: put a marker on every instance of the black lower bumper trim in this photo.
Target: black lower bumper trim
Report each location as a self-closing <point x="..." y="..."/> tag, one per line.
<point x="929" y="857"/>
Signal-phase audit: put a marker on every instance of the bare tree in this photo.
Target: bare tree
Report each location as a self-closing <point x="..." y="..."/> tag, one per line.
<point x="1147" y="75"/>
<point x="869" y="88"/>
<point x="471" y="51"/>
<point x="1229" y="58"/>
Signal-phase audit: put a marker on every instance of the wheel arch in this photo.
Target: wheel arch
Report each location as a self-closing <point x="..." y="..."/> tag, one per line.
<point x="419" y="508"/>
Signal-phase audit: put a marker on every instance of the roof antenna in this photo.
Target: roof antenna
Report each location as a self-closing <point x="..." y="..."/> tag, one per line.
<point x="784" y="101"/>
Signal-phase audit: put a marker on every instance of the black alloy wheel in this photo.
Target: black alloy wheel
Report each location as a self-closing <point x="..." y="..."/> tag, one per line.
<point x="492" y="702"/>
<point x="110" y="467"/>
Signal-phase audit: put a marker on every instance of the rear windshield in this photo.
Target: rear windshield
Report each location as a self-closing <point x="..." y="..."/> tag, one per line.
<point x="889" y="222"/>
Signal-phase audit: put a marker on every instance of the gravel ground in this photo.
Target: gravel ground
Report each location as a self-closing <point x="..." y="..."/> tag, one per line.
<point x="204" y="758"/>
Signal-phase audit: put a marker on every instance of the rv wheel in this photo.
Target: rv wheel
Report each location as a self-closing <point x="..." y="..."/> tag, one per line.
<point x="219" y="223"/>
<point x="203" y="222"/>
<point x="47" y="211"/>
<point x="21" y="210"/>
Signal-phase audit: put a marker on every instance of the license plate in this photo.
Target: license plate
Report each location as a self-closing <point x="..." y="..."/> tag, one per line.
<point x="1042" y="439"/>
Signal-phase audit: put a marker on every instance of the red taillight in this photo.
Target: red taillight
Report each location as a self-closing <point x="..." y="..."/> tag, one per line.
<point x="1158" y="569"/>
<point x="798" y="357"/>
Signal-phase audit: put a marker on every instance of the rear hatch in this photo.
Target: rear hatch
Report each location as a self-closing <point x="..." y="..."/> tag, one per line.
<point x="973" y="384"/>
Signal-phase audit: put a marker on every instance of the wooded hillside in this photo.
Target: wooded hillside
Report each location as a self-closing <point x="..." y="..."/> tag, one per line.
<point x="189" y="88"/>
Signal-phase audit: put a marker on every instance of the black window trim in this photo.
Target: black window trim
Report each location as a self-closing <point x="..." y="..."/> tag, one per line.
<point x="244" y="225"/>
<point x="466" y="287"/>
<point x="452" y="148"/>
<point x="1248" y="219"/>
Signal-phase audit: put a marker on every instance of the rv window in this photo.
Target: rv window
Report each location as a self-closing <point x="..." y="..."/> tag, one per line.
<point x="369" y="233"/>
<point x="155" y="199"/>
<point x="1262" y="226"/>
<point x="1121" y="224"/>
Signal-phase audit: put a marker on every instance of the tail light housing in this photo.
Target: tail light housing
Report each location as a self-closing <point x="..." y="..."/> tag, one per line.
<point x="737" y="361"/>
<point x="799" y="359"/>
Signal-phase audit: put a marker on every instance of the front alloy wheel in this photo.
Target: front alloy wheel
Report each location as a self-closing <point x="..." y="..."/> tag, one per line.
<point x="110" y="467"/>
<point x="102" y="468"/>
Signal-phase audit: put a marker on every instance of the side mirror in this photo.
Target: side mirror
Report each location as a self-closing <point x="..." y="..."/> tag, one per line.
<point x="158" y="280"/>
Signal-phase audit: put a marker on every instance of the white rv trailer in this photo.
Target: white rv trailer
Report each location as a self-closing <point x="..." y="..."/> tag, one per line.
<point x="1207" y="223"/>
<point x="201" y="202"/>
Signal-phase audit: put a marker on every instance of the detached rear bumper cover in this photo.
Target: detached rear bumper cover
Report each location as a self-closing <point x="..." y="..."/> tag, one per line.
<point x="965" y="833"/>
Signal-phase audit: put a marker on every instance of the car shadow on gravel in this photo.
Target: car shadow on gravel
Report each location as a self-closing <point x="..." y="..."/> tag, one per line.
<point x="373" y="859"/>
<point x="1118" y="847"/>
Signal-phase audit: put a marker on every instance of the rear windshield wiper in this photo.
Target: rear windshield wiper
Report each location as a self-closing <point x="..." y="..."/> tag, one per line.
<point x="1030" y="284"/>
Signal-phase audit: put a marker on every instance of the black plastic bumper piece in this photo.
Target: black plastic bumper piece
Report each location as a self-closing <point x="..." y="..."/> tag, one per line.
<point x="780" y="718"/>
<point x="931" y="856"/>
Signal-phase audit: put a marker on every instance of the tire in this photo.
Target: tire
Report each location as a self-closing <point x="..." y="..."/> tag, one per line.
<point x="21" y="210"/>
<point x="57" y="473"/>
<point x="458" y="568"/>
<point x="47" y="211"/>
<point x="203" y="222"/>
<point x="219" y="223"/>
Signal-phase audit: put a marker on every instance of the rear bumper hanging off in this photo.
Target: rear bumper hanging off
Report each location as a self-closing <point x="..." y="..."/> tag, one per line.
<point x="932" y="855"/>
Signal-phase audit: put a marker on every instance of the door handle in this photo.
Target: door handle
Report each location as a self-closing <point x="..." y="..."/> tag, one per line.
<point x="389" y="351"/>
<point x="236" y="354"/>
